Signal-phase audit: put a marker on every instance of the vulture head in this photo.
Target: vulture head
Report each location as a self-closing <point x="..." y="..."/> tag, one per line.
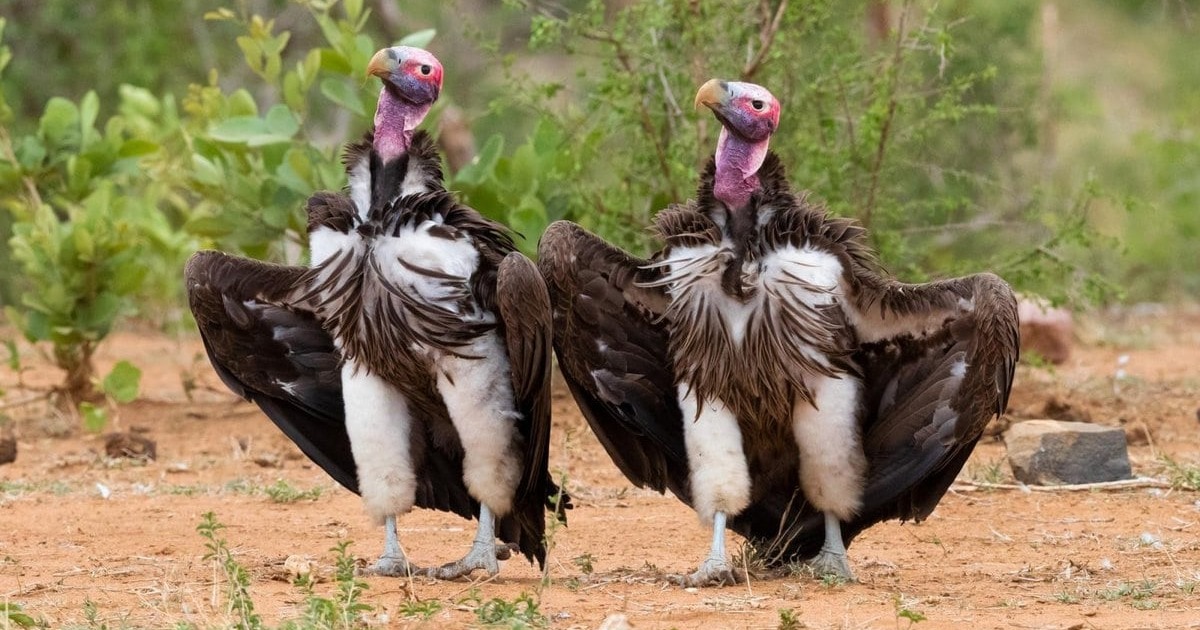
<point x="412" y="80"/>
<point x="745" y="110"/>
<point x="748" y="114"/>
<point x="411" y="74"/>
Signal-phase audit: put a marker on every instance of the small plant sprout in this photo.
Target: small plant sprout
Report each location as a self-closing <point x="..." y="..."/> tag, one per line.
<point x="585" y="563"/>
<point x="283" y="492"/>
<point x="906" y="609"/>
<point x="788" y="620"/>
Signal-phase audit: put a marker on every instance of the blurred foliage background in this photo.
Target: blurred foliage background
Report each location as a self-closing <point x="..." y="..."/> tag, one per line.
<point x="1053" y="142"/>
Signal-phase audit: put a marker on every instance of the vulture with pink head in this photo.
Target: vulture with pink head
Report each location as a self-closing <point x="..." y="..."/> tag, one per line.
<point x="411" y="361"/>
<point x="763" y="368"/>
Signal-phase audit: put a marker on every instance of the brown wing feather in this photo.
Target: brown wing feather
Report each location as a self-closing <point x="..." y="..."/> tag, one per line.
<point x="524" y="309"/>
<point x="612" y="348"/>
<point x="271" y="349"/>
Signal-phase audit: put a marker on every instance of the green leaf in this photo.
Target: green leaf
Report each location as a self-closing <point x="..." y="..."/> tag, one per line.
<point x="353" y="9"/>
<point x="60" y="118"/>
<point x="85" y="247"/>
<point x="484" y="163"/>
<point x="239" y="129"/>
<point x="342" y="94"/>
<point x="206" y="171"/>
<point x="419" y="39"/>
<point x="89" y="109"/>
<point x="279" y="126"/>
<point x="281" y="122"/>
<point x="122" y="382"/>
<point x="138" y="100"/>
<point x="94" y="418"/>
<point x="137" y="147"/>
<point x="335" y="62"/>
<point x="241" y="103"/>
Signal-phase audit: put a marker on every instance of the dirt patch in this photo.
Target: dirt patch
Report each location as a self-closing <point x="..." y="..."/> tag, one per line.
<point x="77" y="526"/>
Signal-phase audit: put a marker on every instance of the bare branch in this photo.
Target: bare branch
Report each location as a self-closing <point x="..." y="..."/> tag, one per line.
<point x="765" y="39"/>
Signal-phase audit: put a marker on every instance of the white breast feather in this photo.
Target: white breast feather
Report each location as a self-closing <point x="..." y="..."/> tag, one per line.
<point x="324" y="242"/>
<point x="417" y="247"/>
<point x="360" y="187"/>
<point x="788" y="274"/>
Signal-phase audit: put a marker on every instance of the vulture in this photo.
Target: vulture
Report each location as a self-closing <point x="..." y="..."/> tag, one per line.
<point x="764" y="369"/>
<point x="411" y="360"/>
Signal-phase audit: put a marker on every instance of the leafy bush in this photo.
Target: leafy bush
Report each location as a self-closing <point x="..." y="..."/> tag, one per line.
<point x="104" y="216"/>
<point x="86" y="229"/>
<point x="905" y="125"/>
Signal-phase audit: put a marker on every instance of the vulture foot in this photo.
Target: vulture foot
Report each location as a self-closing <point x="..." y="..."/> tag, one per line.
<point x="393" y="566"/>
<point x="713" y="572"/>
<point x="483" y="555"/>
<point x="831" y="560"/>
<point x="831" y="563"/>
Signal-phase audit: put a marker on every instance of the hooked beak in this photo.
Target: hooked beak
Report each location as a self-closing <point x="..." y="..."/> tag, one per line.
<point x="383" y="64"/>
<point x="712" y="94"/>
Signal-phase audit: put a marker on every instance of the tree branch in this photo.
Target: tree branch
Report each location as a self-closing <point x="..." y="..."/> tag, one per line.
<point x="765" y="39"/>
<point x="885" y="132"/>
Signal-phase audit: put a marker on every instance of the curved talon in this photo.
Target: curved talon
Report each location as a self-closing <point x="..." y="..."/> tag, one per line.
<point x="713" y="572"/>
<point x="506" y="551"/>
<point x="481" y="556"/>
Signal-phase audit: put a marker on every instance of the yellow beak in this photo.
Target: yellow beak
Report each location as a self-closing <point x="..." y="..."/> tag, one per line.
<point x="711" y="94"/>
<point x="382" y="64"/>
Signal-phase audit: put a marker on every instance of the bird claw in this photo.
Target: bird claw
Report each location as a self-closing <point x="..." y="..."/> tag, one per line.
<point x="712" y="572"/>
<point x="831" y="563"/>
<point x="481" y="556"/>
<point x="506" y="551"/>
<point x="392" y="566"/>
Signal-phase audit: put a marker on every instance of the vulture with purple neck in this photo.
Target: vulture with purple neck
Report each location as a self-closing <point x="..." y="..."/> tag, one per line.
<point x="764" y="369"/>
<point x="411" y="360"/>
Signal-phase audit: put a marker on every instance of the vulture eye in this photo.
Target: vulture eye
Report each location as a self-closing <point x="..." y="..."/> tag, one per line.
<point x="426" y="69"/>
<point x="757" y="105"/>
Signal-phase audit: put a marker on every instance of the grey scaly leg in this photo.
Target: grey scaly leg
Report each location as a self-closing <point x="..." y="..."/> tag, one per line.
<point x="482" y="555"/>
<point x="831" y="560"/>
<point x="715" y="570"/>
<point x="393" y="561"/>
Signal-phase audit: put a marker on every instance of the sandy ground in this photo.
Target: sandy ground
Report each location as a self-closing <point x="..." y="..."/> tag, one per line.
<point x="78" y="527"/>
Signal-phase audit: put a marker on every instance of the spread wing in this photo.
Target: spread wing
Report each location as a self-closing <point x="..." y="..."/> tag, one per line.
<point x="270" y="348"/>
<point x="938" y="363"/>
<point x="612" y="348"/>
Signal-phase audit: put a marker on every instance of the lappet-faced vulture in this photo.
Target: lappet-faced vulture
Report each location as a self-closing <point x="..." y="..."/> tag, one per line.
<point x="411" y="361"/>
<point x="764" y="369"/>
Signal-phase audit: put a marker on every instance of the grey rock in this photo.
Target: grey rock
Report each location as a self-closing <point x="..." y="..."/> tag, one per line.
<point x="1050" y="452"/>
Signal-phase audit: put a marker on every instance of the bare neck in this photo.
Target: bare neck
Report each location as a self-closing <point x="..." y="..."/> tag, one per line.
<point x="738" y="162"/>
<point x="395" y="122"/>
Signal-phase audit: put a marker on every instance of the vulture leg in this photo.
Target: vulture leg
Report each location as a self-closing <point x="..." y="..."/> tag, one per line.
<point x="831" y="560"/>
<point x="483" y="553"/>
<point x="716" y="569"/>
<point x="833" y="464"/>
<point x="719" y="475"/>
<point x="393" y="562"/>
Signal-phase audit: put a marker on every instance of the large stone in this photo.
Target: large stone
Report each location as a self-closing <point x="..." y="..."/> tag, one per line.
<point x="1051" y="452"/>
